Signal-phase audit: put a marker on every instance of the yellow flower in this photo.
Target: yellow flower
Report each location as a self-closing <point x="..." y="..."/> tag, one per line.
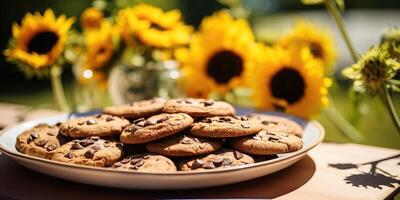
<point x="287" y="80"/>
<point x="374" y="70"/>
<point x="319" y="42"/>
<point x="40" y="39"/>
<point x="99" y="46"/>
<point x="153" y="27"/>
<point x="218" y="56"/>
<point x="91" y="18"/>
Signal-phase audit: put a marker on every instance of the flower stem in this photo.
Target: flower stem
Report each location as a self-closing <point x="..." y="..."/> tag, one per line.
<point x="57" y="89"/>
<point x="341" y="123"/>
<point x="386" y="98"/>
<point x="335" y="13"/>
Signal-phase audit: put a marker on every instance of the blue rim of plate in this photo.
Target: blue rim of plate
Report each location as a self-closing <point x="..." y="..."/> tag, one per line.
<point x="240" y="111"/>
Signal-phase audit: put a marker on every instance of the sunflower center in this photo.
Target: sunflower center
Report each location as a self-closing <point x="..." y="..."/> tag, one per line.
<point x="316" y="50"/>
<point x="42" y="42"/>
<point x="224" y="65"/>
<point x="287" y="84"/>
<point x="157" y="26"/>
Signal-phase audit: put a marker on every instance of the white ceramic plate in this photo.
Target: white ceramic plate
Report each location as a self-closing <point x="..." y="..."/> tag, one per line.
<point x="313" y="135"/>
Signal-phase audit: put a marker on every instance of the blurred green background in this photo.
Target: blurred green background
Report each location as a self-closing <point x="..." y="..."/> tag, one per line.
<point x="365" y="21"/>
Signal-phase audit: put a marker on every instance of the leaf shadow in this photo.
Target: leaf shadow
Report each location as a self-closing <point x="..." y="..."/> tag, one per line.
<point x="373" y="178"/>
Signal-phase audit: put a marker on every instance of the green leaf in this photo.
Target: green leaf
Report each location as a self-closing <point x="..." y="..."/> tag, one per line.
<point x="312" y="2"/>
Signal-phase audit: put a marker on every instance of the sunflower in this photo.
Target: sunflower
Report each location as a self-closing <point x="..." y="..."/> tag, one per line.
<point x="374" y="71"/>
<point x="288" y="81"/>
<point x="153" y="27"/>
<point x="99" y="45"/>
<point x="91" y="18"/>
<point x="218" y="55"/>
<point x="319" y="42"/>
<point x="39" y="40"/>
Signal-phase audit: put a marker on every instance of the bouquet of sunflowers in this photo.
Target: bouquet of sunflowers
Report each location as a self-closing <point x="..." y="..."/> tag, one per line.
<point x="221" y="59"/>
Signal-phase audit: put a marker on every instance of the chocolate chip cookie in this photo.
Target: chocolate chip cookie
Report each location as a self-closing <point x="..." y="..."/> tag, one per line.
<point x="198" y="107"/>
<point x="272" y="123"/>
<point x="40" y="141"/>
<point x="98" y="125"/>
<point x="268" y="143"/>
<point x="137" y="109"/>
<point x="146" y="163"/>
<point x="155" y="127"/>
<point x="184" y="145"/>
<point x="220" y="159"/>
<point x="224" y="127"/>
<point x="92" y="151"/>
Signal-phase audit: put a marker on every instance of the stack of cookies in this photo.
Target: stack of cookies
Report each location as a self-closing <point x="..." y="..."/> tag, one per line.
<point x="162" y="136"/>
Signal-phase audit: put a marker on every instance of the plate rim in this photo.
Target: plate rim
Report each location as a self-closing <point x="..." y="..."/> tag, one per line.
<point x="19" y="155"/>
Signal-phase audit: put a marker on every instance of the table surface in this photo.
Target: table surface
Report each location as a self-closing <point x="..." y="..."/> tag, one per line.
<point x="330" y="171"/>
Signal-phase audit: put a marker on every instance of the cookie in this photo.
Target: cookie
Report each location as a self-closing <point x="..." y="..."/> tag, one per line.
<point x="184" y="145"/>
<point x="198" y="107"/>
<point x="39" y="141"/>
<point x="145" y="163"/>
<point x="223" y="127"/>
<point x="155" y="127"/>
<point x="220" y="159"/>
<point x="98" y="125"/>
<point x="92" y="151"/>
<point x="137" y="109"/>
<point x="266" y="143"/>
<point x="272" y="123"/>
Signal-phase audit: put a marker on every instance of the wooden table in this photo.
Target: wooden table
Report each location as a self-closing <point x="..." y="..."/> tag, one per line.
<point x="330" y="171"/>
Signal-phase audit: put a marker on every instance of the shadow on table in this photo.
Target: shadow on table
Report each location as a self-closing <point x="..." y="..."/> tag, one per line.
<point x="375" y="178"/>
<point x="21" y="183"/>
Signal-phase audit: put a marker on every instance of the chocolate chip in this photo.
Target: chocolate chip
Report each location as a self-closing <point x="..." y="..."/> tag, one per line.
<point x="245" y="125"/>
<point x="107" y="143"/>
<point x="125" y="160"/>
<point x="136" y="160"/>
<point x="58" y="124"/>
<point x="95" y="138"/>
<point x="188" y="101"/>
<point x="208" y="103"/>
<point x="108" y="119"/>
<point x="273" y="137"/>
<point x="69" y="155"/>
<point x="244" y="118"/>
<point x="34" y="135"/>
<point x="197" y="163"/>
<point x="146" y="157"/>
<point x="98" y="115"/>
<point x="238" y="155"/>
<point x="208" y="165"/>
<point x="163" y="119"/>
<point x="86" y="142"/>
<point x="138" y="120"/>
<point x="149" y="122"/>
<point x="51" y="147"/>
<point x="269" y="122"/>
<point x="91" y="122"/>
<point x="41" y="143"/>
<point x="76" y="146"/>
<point x="117" y="164"/>
<point x="227" y="161"/>
<point x="139" y="163"/>
<point x="50" y="134"/>
<point x="217" y="161"/>
<point x="81" y="123"/>
<point x="89" y="153"/>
